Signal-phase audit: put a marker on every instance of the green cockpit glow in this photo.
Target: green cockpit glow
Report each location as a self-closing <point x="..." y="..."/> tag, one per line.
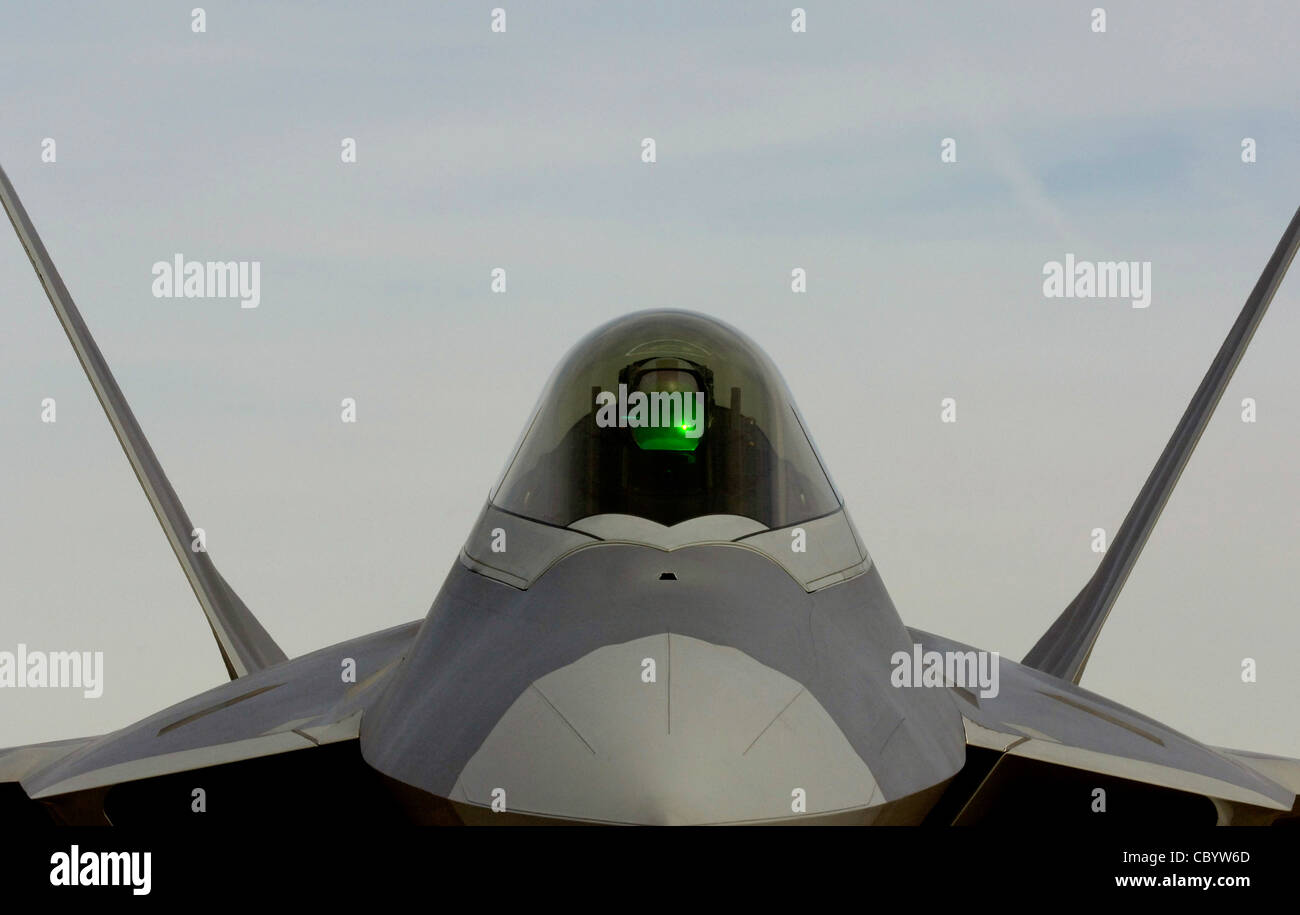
<point x="676" y="406"/>
<point x="667" y="438"/>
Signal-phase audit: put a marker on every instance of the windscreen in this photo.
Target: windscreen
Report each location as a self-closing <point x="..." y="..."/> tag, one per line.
<point x="669" y="416"/>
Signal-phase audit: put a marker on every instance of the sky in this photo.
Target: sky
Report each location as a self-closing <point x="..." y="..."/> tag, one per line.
<point x="774" y="150"/>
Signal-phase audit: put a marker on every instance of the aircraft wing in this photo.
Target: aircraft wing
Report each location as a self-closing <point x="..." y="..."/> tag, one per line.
<point x="1281" y="769"/>
<point x="308" y="702"/>
<point x="1041" y="729"/>
<point x="18" y="762"/>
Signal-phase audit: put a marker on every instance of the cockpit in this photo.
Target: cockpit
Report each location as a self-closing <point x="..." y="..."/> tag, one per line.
<point x="667" y="430"/>
<point x="666" y="416"/>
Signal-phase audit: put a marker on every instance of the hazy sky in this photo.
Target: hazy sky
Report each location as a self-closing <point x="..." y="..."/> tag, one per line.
<point x="775" y="150"/>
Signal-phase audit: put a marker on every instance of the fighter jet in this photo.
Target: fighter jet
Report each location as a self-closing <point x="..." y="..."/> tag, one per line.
<point x="663" y="615"/>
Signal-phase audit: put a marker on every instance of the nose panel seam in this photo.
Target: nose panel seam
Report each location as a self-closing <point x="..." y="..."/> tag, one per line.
<point x="802" y="690"/>
<point x="575" y="731"/>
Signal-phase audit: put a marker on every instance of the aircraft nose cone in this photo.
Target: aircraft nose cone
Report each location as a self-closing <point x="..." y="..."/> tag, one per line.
<point x="666" y="729"/>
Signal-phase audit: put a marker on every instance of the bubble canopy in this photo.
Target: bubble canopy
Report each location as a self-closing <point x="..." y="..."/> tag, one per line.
<point x="668" y="416"/>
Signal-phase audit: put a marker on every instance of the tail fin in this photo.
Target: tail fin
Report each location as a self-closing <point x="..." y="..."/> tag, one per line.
<point x="245" y="645"/>
<point x="1064" y="649"/>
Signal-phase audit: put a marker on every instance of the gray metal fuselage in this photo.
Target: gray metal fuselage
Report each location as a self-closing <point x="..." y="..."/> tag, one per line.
<point x="630" y="684"/>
